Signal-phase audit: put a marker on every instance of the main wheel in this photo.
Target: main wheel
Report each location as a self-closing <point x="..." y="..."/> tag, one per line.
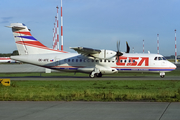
<point x="91" y="75"/>
<point x="99" y="74"/>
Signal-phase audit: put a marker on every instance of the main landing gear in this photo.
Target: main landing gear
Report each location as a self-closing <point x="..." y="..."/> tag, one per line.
<point x="91" y="75"/>
<point x="95" y="73"/>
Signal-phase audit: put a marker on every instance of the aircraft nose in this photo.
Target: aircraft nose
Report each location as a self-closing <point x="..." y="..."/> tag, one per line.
<point x="173" y="66"/>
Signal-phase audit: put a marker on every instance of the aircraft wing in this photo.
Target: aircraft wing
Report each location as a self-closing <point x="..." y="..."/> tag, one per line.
<point x="86" y="51"/>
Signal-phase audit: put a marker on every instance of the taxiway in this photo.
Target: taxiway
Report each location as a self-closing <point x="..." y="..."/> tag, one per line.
<point x="25" y="110"/>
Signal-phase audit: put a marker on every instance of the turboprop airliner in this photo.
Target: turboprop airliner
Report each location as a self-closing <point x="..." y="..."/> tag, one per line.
<point x="95" y="62"/>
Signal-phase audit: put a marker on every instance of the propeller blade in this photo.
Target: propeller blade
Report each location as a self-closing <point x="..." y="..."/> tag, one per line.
<point x="128" y="48"/>
<point x="118" y="53"/>
<point x="118" y="45"/>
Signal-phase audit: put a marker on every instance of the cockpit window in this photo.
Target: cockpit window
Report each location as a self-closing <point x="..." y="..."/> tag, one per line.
<point x="159" y="58"/>
<point x="163" y="58"/>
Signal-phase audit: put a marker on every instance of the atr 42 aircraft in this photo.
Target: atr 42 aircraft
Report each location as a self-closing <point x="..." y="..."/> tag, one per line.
<point x="92" y="61"/>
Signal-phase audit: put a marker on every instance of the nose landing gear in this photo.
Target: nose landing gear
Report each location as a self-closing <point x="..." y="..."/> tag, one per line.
<point x="162" y="74"/>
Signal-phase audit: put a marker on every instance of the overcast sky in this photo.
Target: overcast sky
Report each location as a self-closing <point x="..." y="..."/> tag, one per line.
<point x="96" y="24"/>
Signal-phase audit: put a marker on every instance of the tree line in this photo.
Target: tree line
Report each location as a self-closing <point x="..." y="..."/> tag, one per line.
<point x="15" y="52"/>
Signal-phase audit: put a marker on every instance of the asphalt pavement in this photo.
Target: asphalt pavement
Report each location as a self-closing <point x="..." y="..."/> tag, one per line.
<point x="26" y="110"/>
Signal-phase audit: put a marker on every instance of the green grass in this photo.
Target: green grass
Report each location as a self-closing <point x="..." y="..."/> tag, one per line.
<point x="111" y="90"/>
<point x="96" y="90"/>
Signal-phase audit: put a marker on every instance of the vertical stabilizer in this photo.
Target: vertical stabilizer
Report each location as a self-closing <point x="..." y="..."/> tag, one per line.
<point x="26" y="43"/>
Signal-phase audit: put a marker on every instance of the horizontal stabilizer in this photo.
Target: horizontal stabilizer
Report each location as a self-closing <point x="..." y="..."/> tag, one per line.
<point x="16" y="27"/>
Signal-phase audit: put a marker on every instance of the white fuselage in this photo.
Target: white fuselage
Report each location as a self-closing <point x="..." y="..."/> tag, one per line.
<point x="78" y="63"/>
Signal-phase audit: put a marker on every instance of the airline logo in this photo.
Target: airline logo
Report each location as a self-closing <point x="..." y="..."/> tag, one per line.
<point x="133" y="61"/>
<point x="28" y="39"/>
<point x="26" y="35"/>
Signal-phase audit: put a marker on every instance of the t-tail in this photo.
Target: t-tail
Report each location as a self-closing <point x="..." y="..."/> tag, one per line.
<point x="26" y="43"/>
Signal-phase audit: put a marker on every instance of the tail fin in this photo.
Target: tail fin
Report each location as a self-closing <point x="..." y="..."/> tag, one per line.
<point x="26" y="43"/>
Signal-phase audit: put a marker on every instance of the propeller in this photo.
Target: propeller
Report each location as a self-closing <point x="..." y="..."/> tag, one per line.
<point x="128" y="48"/>
<point x="118" y="54"/>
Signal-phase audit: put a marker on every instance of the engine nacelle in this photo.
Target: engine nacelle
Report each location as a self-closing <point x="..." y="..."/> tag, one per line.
<point x="105" y="54"/>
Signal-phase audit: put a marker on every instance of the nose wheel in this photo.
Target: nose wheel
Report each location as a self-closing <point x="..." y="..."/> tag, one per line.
<point x="162" y="74"/>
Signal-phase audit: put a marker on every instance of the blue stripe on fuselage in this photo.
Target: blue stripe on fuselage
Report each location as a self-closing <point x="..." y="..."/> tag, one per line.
<point x="145" y="69"/>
